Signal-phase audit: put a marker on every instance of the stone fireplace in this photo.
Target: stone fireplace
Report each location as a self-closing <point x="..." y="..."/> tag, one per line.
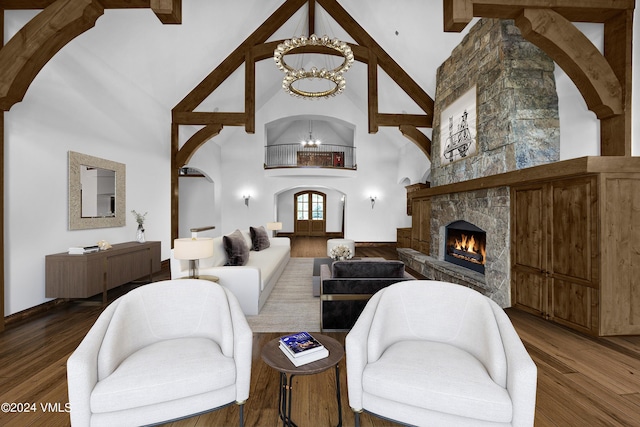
<point x="489" y="211"/>
<point x="517" y="126"/>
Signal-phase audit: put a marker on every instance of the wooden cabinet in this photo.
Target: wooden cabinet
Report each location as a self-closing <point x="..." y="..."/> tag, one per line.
<point x="421" y="225"/>
<point x="411" y="189"/>
<point x="403" y="238"/>
<point x="82" y="276"/>
<point x="555" y="256"/>
<point x="574" y="260"/>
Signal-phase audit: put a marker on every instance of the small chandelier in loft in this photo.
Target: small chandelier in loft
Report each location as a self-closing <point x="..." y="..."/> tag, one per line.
<point x="293" y="75"/>
<point x="310" y="142"/>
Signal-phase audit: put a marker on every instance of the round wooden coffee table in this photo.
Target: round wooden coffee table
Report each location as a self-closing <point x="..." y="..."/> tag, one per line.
<point x="273" y="356"/>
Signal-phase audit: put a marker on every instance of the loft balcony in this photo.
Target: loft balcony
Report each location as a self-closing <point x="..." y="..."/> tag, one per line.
<point x="329" y="156"/>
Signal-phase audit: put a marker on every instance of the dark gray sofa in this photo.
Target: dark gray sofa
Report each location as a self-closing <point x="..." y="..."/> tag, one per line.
<point x="346" y="286"/>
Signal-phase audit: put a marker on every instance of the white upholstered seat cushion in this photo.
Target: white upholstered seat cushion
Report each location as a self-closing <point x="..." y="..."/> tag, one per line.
<point x="268" y="262"/>
<point x="438" y="377"/>
<point x="164" y="371"/>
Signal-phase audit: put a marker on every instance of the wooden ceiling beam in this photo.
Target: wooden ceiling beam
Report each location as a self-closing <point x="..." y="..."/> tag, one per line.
<point x="577" y="56"/>
<point x="386" y="62"/>
<point x="59" y="22"/>
<point x="265" y="51"/>
<point x="312" y="17"/>
<point x="250" y="92"/>
<point x="603" y="79"/>
<point x="372" y="94"/>
<point x="42" y="4"/>
<point x="189" y="148"/>
<point x="615" y="132"/>
<point x="418" y="138"/>
<point x="22" y="58"/>
<point x="395" y="120"/>
<point x="458" y="13"/>
<point x="167" y="11"/>
<point x="236" y="58"/>
<point x="207" y="118"/>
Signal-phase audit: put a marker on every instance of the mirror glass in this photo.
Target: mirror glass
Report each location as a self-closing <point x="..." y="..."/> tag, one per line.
<point x="96" y="192"/>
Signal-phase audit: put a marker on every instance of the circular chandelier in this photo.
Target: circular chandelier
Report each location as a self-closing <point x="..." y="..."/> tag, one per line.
<point x="334" y="76"/>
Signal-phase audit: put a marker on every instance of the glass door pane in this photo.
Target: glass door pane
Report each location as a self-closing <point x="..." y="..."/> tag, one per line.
<point x="303" y="206"/>
<point x="317" y="206"/>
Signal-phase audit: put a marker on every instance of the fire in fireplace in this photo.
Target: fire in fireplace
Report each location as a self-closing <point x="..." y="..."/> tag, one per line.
<point x="465" y="245"/>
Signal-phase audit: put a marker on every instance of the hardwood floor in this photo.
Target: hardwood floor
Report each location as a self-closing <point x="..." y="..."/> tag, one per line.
<point x="582" y="381"/>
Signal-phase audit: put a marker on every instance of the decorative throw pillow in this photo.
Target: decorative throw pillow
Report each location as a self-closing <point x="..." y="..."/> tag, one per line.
<point x="236" y="249"/>
<point x="259" y="238"/>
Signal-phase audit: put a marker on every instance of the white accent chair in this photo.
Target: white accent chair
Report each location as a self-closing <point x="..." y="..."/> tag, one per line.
<point x="434" y="353"/>
<point x="164" y="351"/>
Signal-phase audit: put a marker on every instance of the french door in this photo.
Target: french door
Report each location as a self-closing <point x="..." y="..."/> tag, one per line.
<point x="310" y="213"/>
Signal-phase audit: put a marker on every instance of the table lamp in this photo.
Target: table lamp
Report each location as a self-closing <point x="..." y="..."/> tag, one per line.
<point x="193" y="250"/>
<point x="274" y="226"/>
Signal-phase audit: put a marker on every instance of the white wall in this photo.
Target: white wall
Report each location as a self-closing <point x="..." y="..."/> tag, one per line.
<point x="334" y="206"/>
<point x="199" y="198"/>
<point x="242" y="157"/>
<point x="109" y="93"/>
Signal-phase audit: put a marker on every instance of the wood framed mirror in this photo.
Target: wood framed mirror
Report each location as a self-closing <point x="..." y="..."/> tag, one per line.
<point x="96" y="192"/>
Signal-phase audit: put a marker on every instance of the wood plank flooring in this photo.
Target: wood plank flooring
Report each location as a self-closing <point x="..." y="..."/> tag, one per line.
<point x="582" y="381"/>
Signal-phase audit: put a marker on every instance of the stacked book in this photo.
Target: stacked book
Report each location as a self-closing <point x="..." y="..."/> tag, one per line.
<point x="80" y="250"/>
<point x="302" y="348"/>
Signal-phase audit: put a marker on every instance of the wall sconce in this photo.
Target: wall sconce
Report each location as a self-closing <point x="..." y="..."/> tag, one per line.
<point x="373" y="200"/>
<point x="246" y="200"/>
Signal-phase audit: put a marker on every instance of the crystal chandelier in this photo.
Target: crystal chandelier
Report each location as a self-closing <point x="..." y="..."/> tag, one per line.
<point x="310" y="142"/>
<point x="293" y="75"/>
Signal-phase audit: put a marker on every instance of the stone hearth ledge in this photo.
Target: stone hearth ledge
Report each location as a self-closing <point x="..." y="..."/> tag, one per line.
<point x="444" y="271"/>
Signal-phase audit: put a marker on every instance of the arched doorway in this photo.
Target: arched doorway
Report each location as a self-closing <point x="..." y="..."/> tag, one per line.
<point x="310" y="213"/>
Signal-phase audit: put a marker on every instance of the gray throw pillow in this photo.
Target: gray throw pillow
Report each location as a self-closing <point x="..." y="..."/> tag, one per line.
<point x="236" y="248"/>
<point x="259" y="238"/>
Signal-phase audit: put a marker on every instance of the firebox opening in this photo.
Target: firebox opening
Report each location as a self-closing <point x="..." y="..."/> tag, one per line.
<point x="465" y="245"/>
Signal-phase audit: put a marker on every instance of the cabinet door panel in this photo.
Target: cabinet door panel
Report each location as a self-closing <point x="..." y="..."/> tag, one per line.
<point x="573" y="304"/>
<point x="529" y="291"/>
<point x="415" y="221"/>
<point x="425" y="226"/>
<point x="528" y="228"/>
<point x="421" y="225"/>
<point x="128" y="267"/>
<point x="621" y="255"/>
<point x="573" y="229"/>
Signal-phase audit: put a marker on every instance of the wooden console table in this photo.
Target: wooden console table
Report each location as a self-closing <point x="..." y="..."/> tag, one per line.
<point x="83" y="276"/>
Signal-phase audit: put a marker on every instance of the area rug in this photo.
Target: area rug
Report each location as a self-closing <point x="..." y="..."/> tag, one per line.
<point x="291" y="307"/>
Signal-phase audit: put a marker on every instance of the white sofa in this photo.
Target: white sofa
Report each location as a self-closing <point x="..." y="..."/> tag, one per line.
<point x="251" y="283"/>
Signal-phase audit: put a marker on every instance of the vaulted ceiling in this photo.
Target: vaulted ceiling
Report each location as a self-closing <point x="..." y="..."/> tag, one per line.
<point x="604" y="80"/>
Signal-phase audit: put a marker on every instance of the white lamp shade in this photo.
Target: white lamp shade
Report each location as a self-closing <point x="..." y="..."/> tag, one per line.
<point x="274" y="226"/>
<point x="188" y="248"/>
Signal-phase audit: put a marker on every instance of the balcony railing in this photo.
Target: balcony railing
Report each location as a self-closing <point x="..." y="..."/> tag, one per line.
<point x="298" y="156"/>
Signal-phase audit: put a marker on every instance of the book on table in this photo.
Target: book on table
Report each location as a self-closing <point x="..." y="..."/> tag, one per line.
<point x="79" y="250"/>
<point x="302" y="348"/>
<point x="300" y="343"/>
